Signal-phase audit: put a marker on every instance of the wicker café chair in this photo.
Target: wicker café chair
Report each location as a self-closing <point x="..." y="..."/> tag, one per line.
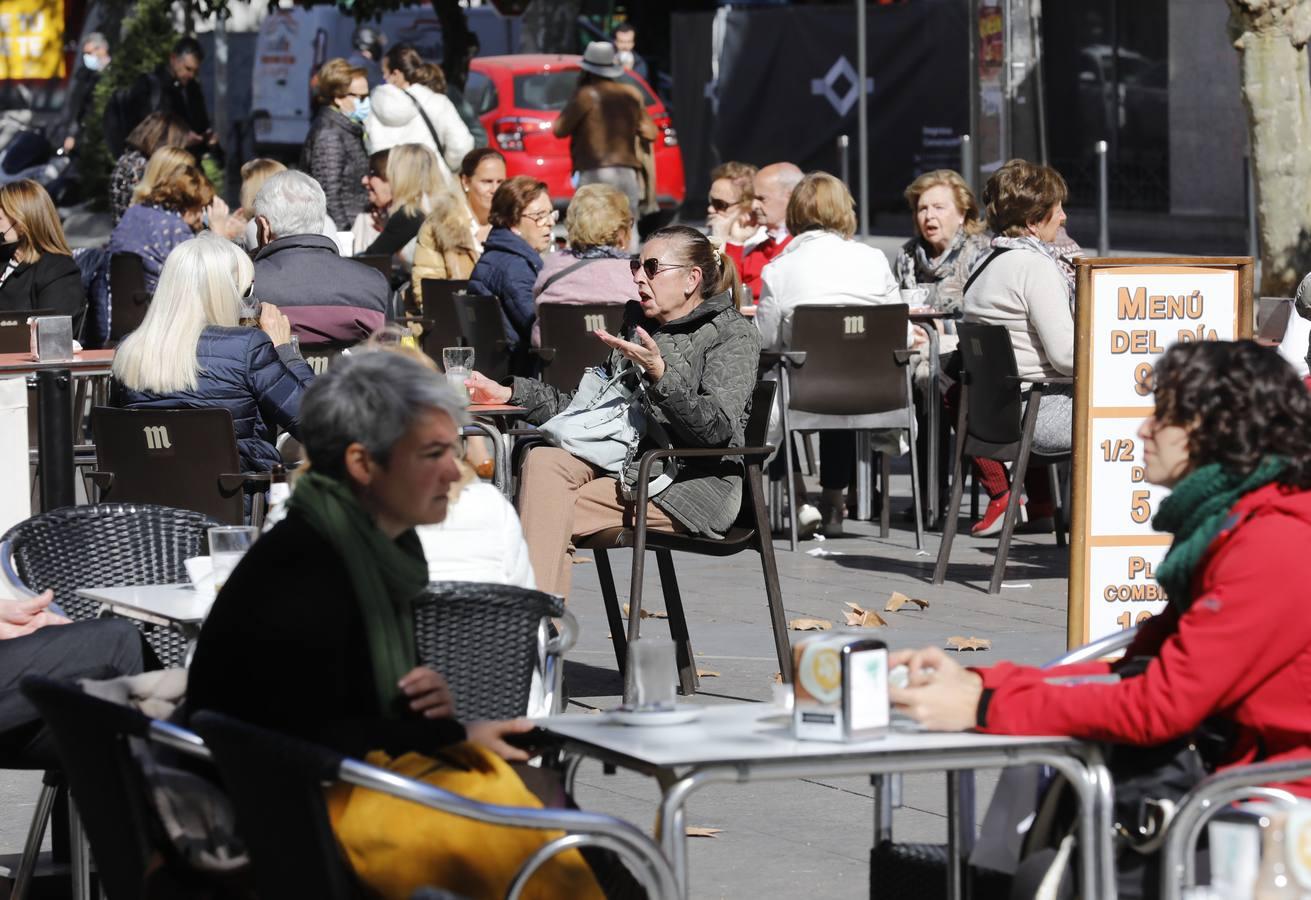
<point x="102" y="545"/>
<point x="489" y="640"/>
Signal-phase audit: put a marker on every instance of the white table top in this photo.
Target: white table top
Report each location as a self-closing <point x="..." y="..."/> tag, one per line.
<point x="759" y="732"/>
<point x="176" y="602"/>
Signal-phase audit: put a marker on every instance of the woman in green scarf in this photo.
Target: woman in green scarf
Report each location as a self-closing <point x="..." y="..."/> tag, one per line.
<point x="313" y="635"/>
<point x="1231" y="438"/>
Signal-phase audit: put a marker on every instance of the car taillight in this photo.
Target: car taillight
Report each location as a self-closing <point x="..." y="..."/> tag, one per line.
<point x="668" y="136"/>
<point x="510" y="131"/>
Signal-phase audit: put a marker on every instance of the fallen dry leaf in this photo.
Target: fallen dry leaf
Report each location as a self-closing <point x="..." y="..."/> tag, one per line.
<point x="706" y="673"/>
<point x="582" y="560"/>
<point x="693" y="831"/>
<point x="649" y="613"/>
<point x="898" y="600"/>
<point x="778" y="678"/>
<point x="956" y="642"/>
<point x="805" y="624"/>
<point x="864" y="618"/>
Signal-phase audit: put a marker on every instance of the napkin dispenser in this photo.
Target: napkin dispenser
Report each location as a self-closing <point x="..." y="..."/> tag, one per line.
<point x="52" y="338"/>
<point x="840" y="681"/>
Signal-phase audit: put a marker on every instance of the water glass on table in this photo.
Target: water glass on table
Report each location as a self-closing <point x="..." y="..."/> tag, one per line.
<point x="652" y="675"/>
<point x="458" y="364"/>
<point x="227" y="544"/>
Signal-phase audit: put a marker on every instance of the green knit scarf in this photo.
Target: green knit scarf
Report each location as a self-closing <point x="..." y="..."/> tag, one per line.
<point x="387" y="576"/>
<point x="1195" y="512"/>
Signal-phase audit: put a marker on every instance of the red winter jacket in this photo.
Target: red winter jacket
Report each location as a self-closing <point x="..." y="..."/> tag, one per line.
<point x="1242" y="652"/>
<point x="750" y="262"/>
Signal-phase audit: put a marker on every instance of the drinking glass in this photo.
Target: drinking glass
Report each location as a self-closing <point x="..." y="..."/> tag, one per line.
<point x="249" y="314"/>
<point x="652" y="675"/>
<point x="458" y="363"/>
<point x="227" y="544"/>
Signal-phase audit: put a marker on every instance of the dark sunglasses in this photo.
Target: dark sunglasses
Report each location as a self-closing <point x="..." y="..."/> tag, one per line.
<point x="719" y="205"/>
<point x="652" y="267"/>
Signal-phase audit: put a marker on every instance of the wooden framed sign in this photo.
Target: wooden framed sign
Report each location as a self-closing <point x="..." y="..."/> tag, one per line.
<point x="1127" y="312"/>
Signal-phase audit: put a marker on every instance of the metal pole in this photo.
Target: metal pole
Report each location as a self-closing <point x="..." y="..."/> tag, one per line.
<point x="967" y="162"/>
<point x="844" y="159"/>
<point x="221" y="80"/>
<point x="54" y="422"/>
<point x="1253" y="231"/>
<point x="1007" y="86"/>
<point x="862" y="116"/>
<point x="1103" y="201"/>
<point x="971" y="172"/>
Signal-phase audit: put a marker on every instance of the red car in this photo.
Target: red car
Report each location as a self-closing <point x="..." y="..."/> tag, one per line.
<point x="519" y="97"/>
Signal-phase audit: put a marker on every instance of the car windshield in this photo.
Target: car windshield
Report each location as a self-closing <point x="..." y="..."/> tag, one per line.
<point x="552" y="90"/>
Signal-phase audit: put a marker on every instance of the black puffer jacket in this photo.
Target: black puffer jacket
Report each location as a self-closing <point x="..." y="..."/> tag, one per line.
<point x="711" y="358"/>
<point x="241" y="371"/>
<point x="334" y="156"/>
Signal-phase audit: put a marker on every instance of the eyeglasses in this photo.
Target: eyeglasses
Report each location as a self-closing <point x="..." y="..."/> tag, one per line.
<point x="653" y="267"/>
<point x="542" y="218"/>
<point x="720" y="205"/>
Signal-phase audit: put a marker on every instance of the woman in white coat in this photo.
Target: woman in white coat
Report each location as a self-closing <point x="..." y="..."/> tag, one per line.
<point x="410" y="109"/>
<point x="822" y="265"/>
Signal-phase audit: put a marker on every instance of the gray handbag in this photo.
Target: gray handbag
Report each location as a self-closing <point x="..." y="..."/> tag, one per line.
<point x="604" y="424"/>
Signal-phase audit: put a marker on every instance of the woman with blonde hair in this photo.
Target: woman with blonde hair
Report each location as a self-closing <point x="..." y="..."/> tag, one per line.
<point x="414" y="178"/>
<point x="163" y="164"/>
<point x="594" y="269"/>
<point x="190" y="352"/>
<point x="822" y="265"/>
<point x="37" y="270"/>
<point x="949" y="239"/>
<point x="181" y="204"/>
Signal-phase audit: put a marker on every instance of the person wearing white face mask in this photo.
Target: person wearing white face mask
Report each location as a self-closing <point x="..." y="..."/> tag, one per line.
<point x="334" y="152"/>
<point x="95" y="57"/>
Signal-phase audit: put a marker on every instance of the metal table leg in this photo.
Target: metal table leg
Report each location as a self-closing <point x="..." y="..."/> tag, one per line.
<point x="54" y="409"/>
<point x="500" y="459"/>
<point x="933" y="417"/>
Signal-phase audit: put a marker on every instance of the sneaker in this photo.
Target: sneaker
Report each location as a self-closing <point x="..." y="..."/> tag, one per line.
<point x="808" y="521"/>
<point x="994" y="516"/>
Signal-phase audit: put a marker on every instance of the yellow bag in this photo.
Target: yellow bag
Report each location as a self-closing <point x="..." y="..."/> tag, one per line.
<point x="396" y="846"/>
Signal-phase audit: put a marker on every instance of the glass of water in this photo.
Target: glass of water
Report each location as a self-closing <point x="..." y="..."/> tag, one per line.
<point x="652" y="675"/>
<point x="227" y="544"/>
<point x="458" y="363"/>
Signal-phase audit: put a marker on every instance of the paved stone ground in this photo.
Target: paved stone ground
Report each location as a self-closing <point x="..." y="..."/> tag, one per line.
<point x="784" y="838"/>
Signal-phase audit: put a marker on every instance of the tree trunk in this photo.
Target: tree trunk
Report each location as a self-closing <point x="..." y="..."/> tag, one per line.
<point x="457" y="40"/>
<point x="1271" y="36"/>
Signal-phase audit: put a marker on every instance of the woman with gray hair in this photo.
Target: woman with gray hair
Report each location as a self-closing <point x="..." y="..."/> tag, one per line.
<point x="190" y="352"/>
<point x="313" y="633"/>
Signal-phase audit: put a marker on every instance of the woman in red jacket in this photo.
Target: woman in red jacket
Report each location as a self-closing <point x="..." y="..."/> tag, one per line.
<point x="1231" y="436"/>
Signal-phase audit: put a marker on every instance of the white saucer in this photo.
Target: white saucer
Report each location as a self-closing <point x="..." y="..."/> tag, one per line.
<point x="679" y="716"/>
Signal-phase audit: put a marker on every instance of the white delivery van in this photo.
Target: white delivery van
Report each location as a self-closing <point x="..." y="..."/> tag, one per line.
<point x="294" y="43"/>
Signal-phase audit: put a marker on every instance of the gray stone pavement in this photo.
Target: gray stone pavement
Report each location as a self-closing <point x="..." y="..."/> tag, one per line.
<point x="779" y="839"/>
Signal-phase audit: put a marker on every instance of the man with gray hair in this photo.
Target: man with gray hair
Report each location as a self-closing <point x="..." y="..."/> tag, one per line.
<point x="331" y="302"/>
<point x="77" y="102"/>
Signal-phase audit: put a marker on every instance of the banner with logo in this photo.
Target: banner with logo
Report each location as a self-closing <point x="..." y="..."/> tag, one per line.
<point x="31" y="38"/>
<point x="765" y="85"/>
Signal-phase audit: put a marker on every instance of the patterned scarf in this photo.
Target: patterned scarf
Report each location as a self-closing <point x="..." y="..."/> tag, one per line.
<point x="1195" y="512"/>
<point x="1051" y="251"/>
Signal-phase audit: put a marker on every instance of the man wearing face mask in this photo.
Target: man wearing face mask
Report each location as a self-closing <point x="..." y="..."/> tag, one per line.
<point x="95" y="57"/>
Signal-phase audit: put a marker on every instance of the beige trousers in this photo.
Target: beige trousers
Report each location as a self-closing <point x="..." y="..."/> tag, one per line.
<point x="562" y="498"/>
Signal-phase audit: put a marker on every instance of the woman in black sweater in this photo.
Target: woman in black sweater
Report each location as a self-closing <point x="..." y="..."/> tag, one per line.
<point x="37" y="270"/>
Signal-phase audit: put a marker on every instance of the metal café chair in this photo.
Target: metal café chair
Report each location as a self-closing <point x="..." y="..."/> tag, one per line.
<point x="847" y="369"/>
<point x="481" y="327"/>
<point x="568" y="345"/>
<point x="995" y="422"/>
<point x="276" y="782"/>
<point x="493" y="643"/>
<point x="441" y="327"/>
<point x="185" y="458"/>
<point x="15" y="333"/>
<point x="129" y="298"/>
<point x="749" y="532"/>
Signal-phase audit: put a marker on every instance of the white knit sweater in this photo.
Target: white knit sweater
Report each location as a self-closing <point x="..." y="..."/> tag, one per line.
<point x="1025" y="291"/>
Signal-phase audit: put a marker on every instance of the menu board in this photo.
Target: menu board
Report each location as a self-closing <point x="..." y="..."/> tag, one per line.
<point x="1128" y="312"/>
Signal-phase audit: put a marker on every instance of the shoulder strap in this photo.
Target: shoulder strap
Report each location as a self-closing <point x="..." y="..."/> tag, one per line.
<point x="996" y="252"/>
<point x="441" y="151"/>
<point x="565" y="271"/>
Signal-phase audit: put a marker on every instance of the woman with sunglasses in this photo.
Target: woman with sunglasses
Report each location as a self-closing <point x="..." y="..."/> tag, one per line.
<point x="694" y="356"/>
<point x="190" y="352"/>
<point x="522" y="217"/>
<point x="334" y="151"/>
